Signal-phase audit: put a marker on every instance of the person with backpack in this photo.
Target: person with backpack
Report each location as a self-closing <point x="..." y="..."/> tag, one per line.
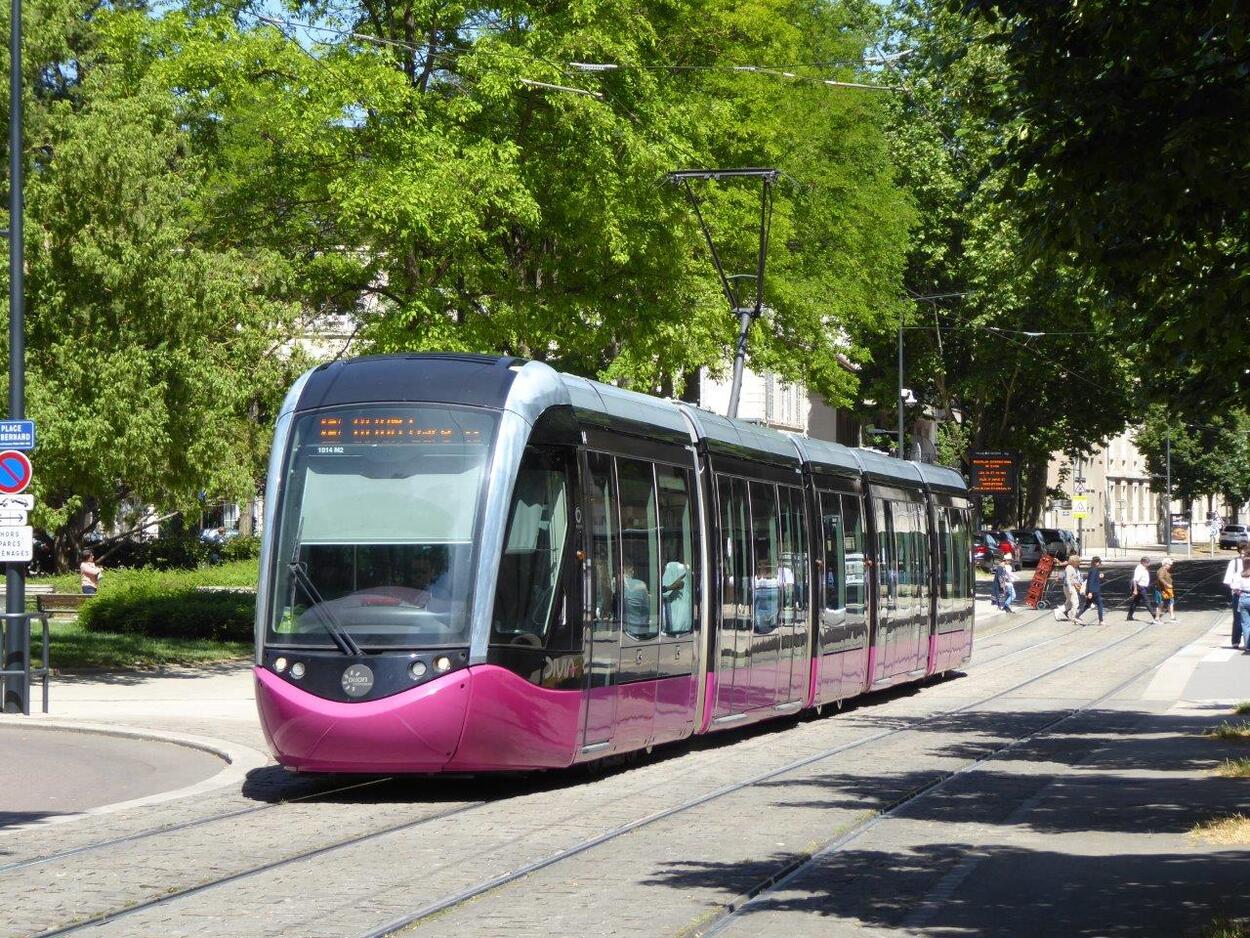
<point x="1141" y="591"/>
<point x="1093" y="591"/>
<point x="1167" y="590"/>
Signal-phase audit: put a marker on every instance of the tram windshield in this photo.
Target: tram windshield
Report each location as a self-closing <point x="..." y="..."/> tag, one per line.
<point x="379" y="512"/>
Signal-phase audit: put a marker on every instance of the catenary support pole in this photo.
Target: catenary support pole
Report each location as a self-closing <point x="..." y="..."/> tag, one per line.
<point x="1167" y="522"/>
<point x="16" y="647"/>
<point x="902" y="454"/>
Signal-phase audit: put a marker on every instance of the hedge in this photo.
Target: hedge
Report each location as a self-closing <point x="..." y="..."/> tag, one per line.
<point x="166" y="603"/>
<point x="180" y="613"/>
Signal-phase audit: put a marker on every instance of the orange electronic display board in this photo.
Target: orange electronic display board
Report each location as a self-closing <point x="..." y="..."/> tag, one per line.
<point x="992" y="473"/>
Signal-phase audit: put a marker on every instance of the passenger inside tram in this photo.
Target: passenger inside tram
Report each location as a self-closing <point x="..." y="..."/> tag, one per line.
<point x="767" y="597"/>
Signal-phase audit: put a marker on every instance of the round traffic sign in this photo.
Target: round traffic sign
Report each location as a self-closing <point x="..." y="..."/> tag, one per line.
<point x="15" y="472"/>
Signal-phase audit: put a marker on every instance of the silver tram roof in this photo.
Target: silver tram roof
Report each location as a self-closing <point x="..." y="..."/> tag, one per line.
<point x="529" y="388"/>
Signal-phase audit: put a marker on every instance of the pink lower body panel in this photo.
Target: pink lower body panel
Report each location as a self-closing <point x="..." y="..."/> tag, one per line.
<point x="416" y="731"/>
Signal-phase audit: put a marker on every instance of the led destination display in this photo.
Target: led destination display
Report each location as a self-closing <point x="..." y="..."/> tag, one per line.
<point x="390" y="428"/>
<point x="992" y="473"/>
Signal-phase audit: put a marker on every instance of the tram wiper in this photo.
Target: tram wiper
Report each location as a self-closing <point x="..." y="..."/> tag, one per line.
<point x="299" y="572"/>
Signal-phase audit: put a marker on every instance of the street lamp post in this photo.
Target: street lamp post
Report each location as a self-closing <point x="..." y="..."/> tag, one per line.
<point x="15" y="578"/>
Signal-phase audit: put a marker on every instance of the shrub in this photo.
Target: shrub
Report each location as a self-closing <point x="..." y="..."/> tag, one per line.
<point x="173" y="550"/>
<point x="240" y="548"/>
<point x="176" y="613"/>
<point x="166" y="603"/>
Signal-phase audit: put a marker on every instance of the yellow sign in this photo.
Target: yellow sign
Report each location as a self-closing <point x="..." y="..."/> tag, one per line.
<point x="1080" y="506"/>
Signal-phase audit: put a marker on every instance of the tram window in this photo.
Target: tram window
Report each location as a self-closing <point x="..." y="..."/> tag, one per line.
<point x="736" y="592"/>
<point x="676" y="550"/>
<point x="961" y="553"/>
<point x="887" y="571"/>
<point x="529" y="571"/>
<point x="765" y="584"/>
<point x="603" y="556"/>
<point x="946" y="550"/>
<point x="854" y="541"/>
<point x="640" y="549"/>
<point x="792" y="572"/>
<point x="835" y="552"/>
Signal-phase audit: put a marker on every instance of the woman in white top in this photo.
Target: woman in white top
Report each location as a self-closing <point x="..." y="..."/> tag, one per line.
<point x="1241" y="589"/>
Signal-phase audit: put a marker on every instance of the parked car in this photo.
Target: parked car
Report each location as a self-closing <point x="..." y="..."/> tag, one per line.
<point x="985" y="550"/>
<point x="1058" y="542"/>
<point x="1234" y="535"/>
<point x="1007" y="542"/>
<point x="1031" y="545"/>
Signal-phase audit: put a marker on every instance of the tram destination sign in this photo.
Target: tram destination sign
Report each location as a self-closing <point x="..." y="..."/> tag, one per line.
<point x="993" y="473"/>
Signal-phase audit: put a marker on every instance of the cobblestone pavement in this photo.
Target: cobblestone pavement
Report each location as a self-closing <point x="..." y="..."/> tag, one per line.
<point x="433" y="839"/>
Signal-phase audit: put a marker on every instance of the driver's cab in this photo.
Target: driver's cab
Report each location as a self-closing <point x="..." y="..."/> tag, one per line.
<point x="536" y="620"/>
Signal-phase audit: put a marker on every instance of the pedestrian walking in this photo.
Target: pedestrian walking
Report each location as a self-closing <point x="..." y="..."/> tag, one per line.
<point x="90" y="572"/>
<point x="1241" y="589"/>
<point x="1140" y="592"/>
<point x="1072" y="587"/>
<point x="1004" y="587"/>
<point x="1167" y="591"/>
<point x="1093" y="591"/>
<point x="1230" y="576"/>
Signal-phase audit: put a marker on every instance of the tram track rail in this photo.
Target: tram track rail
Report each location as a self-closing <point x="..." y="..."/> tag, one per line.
<point x="485" y="887"/>
<point x="335" y="790"/>
<point x="782" y="876"/>
<point x="463" y="896"/>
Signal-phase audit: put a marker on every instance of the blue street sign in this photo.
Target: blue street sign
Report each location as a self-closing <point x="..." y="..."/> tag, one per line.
<point x="17" y="434"/>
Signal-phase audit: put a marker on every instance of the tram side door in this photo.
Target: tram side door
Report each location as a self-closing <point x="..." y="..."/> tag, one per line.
<point x="638" y="666"/>
<point x="602" y="607"/>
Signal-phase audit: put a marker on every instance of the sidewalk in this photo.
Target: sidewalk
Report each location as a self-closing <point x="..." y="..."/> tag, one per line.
<point x="113" y="741"/>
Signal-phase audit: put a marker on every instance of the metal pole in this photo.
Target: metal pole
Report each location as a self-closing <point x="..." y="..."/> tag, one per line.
<point x="901" y="453"/>
<point x="744" y="325"/>
<point x="1167" y="534"/>
<point x="17" y="635"/>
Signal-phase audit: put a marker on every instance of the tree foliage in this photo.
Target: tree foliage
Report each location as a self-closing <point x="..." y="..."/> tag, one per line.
<point x="1022" y="348"/>
<point x="1130" y="121"/>
<point x="1211" y="458"/>
<point x="151" y="352"/>
<point x="397" y="156"/>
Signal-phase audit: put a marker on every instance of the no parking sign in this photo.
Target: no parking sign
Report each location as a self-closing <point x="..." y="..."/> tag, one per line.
<point x="15" y="472"/>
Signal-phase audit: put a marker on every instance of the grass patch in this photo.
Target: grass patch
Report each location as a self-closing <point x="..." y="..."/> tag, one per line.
<point x="235" y="573"/>
<point x="1242" y="709"/>
<point x="74" y="648"/>
<point x="1229" y="731"/>
<point x="1226" y="928"/>
<point x="1234" y="768"/>
<point x="1224" y="831"/>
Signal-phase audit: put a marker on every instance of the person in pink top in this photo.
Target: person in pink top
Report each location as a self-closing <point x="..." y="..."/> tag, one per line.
<point x="90" y="571"/>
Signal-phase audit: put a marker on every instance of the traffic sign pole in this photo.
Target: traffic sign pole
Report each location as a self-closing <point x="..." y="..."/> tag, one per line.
<point x="17" y="631"/>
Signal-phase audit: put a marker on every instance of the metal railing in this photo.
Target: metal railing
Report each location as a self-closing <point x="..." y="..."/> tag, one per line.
<point x="21" y="621"/>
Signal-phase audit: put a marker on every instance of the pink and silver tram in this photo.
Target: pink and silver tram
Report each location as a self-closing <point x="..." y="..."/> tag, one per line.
<point x="474" y="564"/>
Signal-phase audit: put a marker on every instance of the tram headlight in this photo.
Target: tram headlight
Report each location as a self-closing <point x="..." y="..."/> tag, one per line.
<point x="280" y="665"/>
<point x="417" y="670"/>
<point x="442" y="663"/>
<point x="297" y="670"/>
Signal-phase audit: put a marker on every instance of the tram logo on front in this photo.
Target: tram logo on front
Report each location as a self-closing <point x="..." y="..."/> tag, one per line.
<point x="357" y="680"/>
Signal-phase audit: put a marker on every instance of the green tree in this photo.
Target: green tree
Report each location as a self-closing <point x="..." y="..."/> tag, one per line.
<point x="403" y="165"/>
<point x="1207" y="459"/>
<point x="1130" y="123"/>
<point x="150" y="353"/>
<point x="1021" y="348"/>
